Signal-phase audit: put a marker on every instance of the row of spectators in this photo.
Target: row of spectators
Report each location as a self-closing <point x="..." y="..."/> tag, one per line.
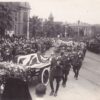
<point x="11" y="47"/>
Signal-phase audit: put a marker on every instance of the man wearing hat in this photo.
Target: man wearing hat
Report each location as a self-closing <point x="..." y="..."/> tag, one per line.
<point x="55" y="74"/>
<point x="65" y="63"/>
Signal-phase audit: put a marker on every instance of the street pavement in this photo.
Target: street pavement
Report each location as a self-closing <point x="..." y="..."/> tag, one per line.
<point x="87" y="87"/>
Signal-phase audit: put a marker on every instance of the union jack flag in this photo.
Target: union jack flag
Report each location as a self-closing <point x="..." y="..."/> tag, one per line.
<point x="33" y="60"/>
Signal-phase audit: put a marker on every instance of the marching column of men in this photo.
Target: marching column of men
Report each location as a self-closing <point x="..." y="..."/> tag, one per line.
<point x="60" y="67"/>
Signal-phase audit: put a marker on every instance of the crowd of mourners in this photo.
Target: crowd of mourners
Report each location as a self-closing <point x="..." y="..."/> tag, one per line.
<point x="11" y="47"/>
<point x="67" y="55"/>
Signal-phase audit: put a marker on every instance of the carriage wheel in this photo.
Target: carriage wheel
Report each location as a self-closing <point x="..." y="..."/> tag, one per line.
<point x="45" y="76"/>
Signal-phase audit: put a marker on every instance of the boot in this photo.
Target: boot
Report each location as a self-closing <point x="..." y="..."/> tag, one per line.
<point x="51" y="93"/>
<point x="55" y="94"/>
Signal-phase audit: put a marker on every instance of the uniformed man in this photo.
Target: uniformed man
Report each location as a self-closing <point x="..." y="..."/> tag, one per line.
<point x="65" y="63"/>
<point x="84" y="49"/>
<point x="55" y="74"/>
<point x="77" y="63"/>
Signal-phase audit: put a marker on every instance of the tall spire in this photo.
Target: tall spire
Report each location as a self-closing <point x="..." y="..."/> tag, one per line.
<point x="51" y="18"/>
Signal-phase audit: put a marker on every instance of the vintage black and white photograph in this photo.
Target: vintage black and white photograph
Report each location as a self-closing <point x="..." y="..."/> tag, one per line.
<point x="50" y="50"/>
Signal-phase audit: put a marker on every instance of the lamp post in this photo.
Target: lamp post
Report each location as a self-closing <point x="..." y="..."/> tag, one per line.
<point x="66" y="30"/>
<point x="28" y="25"/>
<point x="78" y="28"/>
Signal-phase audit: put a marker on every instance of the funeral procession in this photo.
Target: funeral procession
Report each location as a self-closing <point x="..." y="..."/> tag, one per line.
<point x="50" y="50"/>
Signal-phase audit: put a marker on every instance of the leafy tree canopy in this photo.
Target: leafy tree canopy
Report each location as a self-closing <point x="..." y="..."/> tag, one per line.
<point x="6" y="17"/>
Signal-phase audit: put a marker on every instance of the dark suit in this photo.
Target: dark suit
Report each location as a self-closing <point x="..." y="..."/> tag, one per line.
<point x="16" y="89"/>
<point x="55" y="73"/>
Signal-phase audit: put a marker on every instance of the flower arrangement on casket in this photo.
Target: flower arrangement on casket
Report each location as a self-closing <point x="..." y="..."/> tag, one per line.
<point x="8" y="70"/>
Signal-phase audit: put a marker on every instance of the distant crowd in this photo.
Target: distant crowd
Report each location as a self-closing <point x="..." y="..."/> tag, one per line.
<point x="11" y="47"/>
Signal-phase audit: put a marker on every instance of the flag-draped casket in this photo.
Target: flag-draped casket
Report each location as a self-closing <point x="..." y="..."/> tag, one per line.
<point x="23" y="64"/>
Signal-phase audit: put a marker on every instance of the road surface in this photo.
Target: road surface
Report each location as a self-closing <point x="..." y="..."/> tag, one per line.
<point x="87" y="87"/>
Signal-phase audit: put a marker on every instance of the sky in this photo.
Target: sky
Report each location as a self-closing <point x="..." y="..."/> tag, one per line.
<point x="71" y="11"/>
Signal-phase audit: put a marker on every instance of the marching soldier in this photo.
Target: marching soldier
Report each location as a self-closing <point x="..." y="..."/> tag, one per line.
<point x="84" y="49"/>
<point x="65" y="63"/>
<point x="77" y="63"/>
<point x="55" y="74"/>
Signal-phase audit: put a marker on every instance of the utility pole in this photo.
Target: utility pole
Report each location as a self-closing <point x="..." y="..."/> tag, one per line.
<point x="28" y="21"/>
<point x="28" y="26"/>
<point x="66" y="25"/>
<point x="78" y="28"/>
<point x="65" y="32"/>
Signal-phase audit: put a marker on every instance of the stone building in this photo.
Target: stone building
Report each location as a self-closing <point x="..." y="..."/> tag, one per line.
<point x="21" y="21"/>
<point x="82" y="29"/>
<point x="20" y="13"/>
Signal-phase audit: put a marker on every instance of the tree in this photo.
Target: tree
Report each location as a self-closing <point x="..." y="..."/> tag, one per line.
<point x="47" y="28"/>
<point x="6" y="18"/>
<point x="70" y="31"/>
<point x="59" y="29"/>
<point x="35" y="26"/>
<point x="52" y="28"/>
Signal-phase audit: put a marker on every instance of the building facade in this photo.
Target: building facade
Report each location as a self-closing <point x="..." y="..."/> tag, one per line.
<point x="82" y="30"/>
<point x="20" y="12"/>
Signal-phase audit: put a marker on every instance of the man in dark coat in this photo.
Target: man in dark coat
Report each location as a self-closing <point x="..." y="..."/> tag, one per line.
<point x="77" y="63"/>
<point x="16" y="89"/>
<point x="66" y="65"/>
<point x="55" y="73"/>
